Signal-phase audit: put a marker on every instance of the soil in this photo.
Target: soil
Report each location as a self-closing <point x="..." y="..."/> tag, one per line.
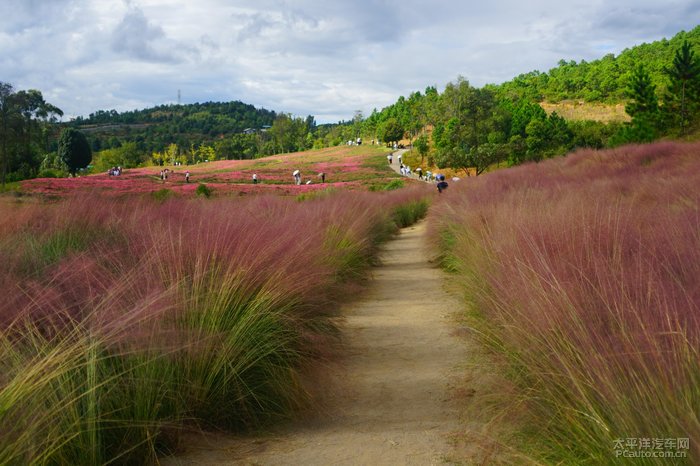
<point x="390" y="401"/>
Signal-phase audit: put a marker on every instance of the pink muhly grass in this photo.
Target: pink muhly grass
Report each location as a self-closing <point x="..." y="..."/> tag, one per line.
<point x="585" y="272"/>
<point x="209" y="309"/>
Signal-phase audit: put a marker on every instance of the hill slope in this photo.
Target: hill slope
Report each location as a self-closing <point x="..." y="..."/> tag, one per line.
<point x="155" y="128"/>
<point x="602" y="80"/>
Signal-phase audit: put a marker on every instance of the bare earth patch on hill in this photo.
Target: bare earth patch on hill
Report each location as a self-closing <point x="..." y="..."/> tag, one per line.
<point x="579" y="110"/>
<point x="393" y="398"/>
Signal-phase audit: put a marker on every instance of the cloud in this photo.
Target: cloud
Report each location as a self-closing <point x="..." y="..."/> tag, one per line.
<point x="325" y="58"/>
<point x="136" y="37"/>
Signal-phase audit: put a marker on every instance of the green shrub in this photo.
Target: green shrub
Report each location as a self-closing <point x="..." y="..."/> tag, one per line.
<point x="203" y="190"/>
<point x="52" y="173"/>
<point x="162" y="194"/>
<point x="410" y="212"/>
<point x="394" y="184"/>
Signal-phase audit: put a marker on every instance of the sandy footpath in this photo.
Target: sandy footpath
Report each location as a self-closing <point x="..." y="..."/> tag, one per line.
<point x="389" y="403"/>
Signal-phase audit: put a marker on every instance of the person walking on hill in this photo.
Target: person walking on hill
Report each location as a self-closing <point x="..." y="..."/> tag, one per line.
<point x="187" y="176"/>
<point x="400" y="158"/>
<point x="390" y="159"/>
<point x="255" y="178"/>
<point x="442" y="184"/>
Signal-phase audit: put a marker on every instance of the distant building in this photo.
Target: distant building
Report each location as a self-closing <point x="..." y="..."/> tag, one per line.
<point x="262" y="129"/>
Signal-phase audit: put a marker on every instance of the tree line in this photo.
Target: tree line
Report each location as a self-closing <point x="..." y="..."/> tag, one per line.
<point x="27" y="129"/>
<point x="602" y="80"/>
<point x="470" y="128"/>
<point x="462" y="127"/>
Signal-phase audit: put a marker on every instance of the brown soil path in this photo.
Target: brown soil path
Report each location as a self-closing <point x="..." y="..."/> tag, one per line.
<point x="391" y="402"/>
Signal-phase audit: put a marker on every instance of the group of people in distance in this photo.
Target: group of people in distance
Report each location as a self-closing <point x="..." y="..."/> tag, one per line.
<point x="297" y="177"/>
<point x="406" y="171"/>
<point x="166" y="172"/>
<point x="114" y="171"/>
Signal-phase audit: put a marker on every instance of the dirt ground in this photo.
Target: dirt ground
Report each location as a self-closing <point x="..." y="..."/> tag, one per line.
<point x="390" y="402"/>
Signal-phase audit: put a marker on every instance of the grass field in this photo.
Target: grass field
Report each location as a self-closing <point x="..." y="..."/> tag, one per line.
<point x="575" y="110"/>
<point x="354" y="168"/>
<point x="580" y="275"/>
<point x="129" y="319"/>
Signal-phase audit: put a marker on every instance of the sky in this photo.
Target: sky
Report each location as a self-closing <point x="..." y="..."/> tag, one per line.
<point x="326" y="58"/>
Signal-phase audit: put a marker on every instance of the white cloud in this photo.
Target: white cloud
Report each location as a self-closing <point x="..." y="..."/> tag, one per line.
<point x="325" y="58"/>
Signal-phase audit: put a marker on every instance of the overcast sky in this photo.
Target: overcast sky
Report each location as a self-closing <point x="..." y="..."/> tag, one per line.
<point x="325" y="58"/>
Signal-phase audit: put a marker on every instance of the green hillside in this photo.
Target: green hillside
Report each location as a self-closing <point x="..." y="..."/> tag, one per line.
<point x="155" y="128"/>
<point x="602" y="80"/>
<point x="648" y="92"/>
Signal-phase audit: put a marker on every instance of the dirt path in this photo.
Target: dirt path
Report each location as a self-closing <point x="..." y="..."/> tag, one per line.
<point x="391" y="404"/>
<point x="396" y="165"/>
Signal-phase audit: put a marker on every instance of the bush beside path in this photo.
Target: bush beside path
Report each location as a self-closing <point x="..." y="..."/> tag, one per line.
<point x="389" y="402"/>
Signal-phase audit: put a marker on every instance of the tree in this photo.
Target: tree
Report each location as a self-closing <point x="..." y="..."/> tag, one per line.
<point x="421" y="145"/>
<point x="74" y="149"/>
<point x="287" y="134"/>
<point x="685" y="85"/>
<point x="172" y="154"/>
<point x="357" y="120"/>
<point x="547" y="137"/>
<point x="24" y="131"/>
<point x="31" y="105"/>
<point x="6" y="106"/>
<point x="643" y="107"/>
<point x="391" y="131"/>
<point x="642" y="94"/>
<point x="126" y="156"/>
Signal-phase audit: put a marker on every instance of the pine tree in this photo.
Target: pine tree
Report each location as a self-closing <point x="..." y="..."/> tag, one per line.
<point x="684" y="90"/>
<point x="643" y="107"/>
<point x="642" y="93"/>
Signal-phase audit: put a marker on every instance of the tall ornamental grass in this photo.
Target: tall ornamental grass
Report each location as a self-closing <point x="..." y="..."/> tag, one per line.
<point x="582" y="274"/>
<point x="126" y="321"/>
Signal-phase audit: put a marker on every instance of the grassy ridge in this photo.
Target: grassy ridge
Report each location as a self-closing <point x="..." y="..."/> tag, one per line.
<point x="581" y="276"/>
<point x="128" y="320"/>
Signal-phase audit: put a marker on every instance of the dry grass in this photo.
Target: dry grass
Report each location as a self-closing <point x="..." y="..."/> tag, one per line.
<point x="580" y="110"/>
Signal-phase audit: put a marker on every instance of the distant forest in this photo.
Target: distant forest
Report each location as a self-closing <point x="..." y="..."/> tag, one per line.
<point x="156" y="128"/>
<point x="460" y="127"/>
<point x="604" y="80"/>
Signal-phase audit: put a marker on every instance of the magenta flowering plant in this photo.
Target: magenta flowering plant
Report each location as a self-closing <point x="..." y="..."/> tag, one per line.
<point x="582" y="274"/>
<point x="126" y="320"/>
<point x="343" y="167"/>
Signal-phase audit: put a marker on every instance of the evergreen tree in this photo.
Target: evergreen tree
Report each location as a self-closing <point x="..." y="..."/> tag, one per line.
<point x="74" y="150"/>
<point x="643" y="107"/>
<point x="684" y="89"/>
<point x="642" y="93"/>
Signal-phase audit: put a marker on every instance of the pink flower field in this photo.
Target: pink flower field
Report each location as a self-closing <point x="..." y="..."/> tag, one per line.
<point x="355" y="168"/>
<point x="582" y="275"/>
